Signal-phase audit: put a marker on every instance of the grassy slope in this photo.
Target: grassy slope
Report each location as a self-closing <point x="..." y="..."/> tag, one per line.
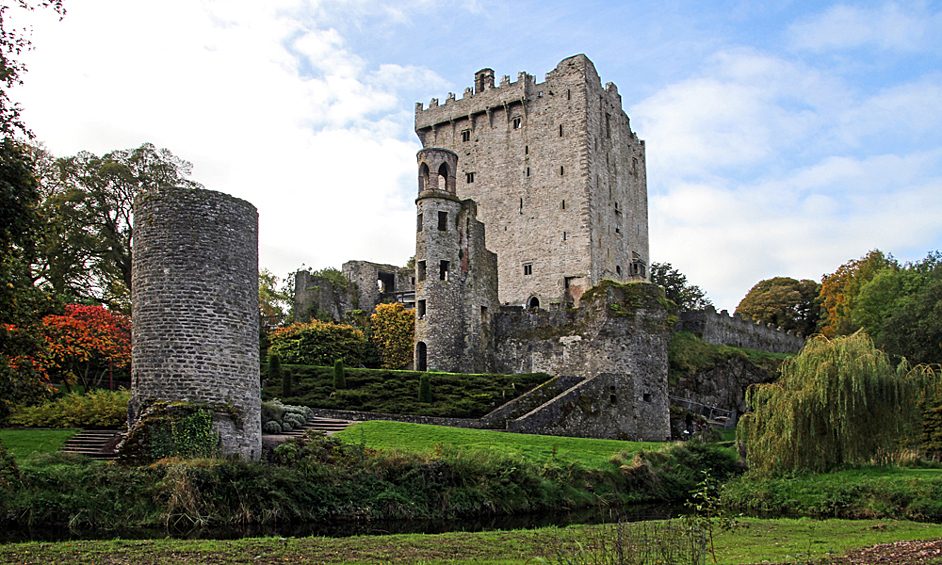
<point x="869" y="492"/>
<point x="766" y="540"/>
<point x="22" y="443"/>
<point x="422" y="439"/>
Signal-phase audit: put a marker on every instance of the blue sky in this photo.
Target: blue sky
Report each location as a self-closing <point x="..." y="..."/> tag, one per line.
<point x="783" y="138"/>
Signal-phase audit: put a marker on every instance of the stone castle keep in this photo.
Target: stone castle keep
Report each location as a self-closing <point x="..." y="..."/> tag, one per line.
<point x="531" y="218"/>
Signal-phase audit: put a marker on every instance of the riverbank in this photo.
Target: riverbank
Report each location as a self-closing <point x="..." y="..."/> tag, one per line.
<point x="773" y="541"/>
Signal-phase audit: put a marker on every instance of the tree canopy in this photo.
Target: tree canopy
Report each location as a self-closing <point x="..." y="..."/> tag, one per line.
<point x="88" y="202"/>
<point x="677" y="289"/>
<point x="784" y="302"/>
<point x="839" y="291"/>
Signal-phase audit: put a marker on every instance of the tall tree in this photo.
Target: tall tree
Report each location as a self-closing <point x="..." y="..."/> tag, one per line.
<point x="838" y="402"/>
<point x="784" y="302"/>
<point x="901" y="309"/>
<point x="839" y="291"/>
<point x="676" y="288"/>
<point x="88" y="200"/>
<point x="22" y="305"/>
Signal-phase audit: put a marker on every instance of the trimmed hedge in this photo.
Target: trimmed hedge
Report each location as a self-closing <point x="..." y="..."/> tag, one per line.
<point x="318" y="343"/>
<point x="394" y="392"/>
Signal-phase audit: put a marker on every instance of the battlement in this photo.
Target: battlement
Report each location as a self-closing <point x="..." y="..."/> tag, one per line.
<point x="485" y="96"/>
<point x="737" y="330"/>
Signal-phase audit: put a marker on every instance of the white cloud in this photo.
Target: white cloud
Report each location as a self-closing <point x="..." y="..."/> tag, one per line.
<point x="889" y="27"/>
<point x="269" y="108"/>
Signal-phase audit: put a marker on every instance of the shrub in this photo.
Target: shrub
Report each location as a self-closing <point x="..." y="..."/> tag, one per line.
<point x="178" y="429"/>
<point x="393" y="331"/>
<point x="274" y="368"/>
<point x="340" y="380"/>
<point x="318" y="343"/>
<point x="98" y="408"/>
<point x="425" y="389"/>
<point x="286" y="382"/>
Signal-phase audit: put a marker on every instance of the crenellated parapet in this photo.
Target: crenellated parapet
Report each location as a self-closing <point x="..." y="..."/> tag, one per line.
<point x="740" y="331"/>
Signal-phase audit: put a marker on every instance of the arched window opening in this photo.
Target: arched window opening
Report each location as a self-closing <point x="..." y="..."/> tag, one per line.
<point x="423" y="177"/>
<point x="534" y="302"/>
<point x="421" y="356"/>
<point x="443" y="177"/>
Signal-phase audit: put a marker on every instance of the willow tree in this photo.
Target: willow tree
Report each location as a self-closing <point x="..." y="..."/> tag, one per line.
<point x="838" y="402"/>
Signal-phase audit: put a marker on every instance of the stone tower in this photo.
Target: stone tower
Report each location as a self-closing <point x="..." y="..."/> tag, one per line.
<point x="455" y="275"/>
<point x="558" y="177"/>
<point x="195" y="297"/>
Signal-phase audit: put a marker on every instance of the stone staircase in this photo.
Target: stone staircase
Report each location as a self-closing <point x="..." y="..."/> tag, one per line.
<point x="97" y="444"/>
<point x="329" y="426"/>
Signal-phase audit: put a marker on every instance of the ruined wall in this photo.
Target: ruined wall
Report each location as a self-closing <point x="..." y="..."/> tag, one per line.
<point x="317" y="297"/>
<point x="377" y="282"/>
<point x="195" y="300"/>
<point x="616" y="343"/>
<point x="557" y="174"/>
<point x="723" y="329"/>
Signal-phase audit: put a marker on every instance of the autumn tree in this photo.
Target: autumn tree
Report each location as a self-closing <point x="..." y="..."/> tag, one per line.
<point x="86" y="343"/>
<point x="783" y="302"/>
<point x="677" y="289"/>
<point x="88" y="203"/>
<point x="901" y="309"/>
<point x="393" y="333"/>
<point x="839" y="291"/>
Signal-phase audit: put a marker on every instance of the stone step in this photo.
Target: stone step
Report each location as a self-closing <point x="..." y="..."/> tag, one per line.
<point x="91" y="443"/>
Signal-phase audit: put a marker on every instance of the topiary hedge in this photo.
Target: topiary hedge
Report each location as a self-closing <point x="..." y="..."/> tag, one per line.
<point x="318" y="343"/>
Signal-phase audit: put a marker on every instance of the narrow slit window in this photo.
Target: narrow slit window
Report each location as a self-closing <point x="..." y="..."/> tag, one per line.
<point x="526" y="149"/>
<point x="443" y="270"/>
<point x="562" y="171"/>
<point x="618" y="269"/>
<point x="568" y="94"/>
<point x="564" y="236"/>
<point x="443" y="221"/>
<point x="420" y="267"/>
<point x="528" y="171"/>
<point x="560" y="130"/>
<point x="466" y="135"/>
<point x="563" y="205"/>
<point x="418" y="223"/>
<point x="521" y="205"/>
<point x="469" y="177"/>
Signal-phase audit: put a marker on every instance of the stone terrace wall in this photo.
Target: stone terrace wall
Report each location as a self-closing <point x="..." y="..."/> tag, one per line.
<point x="723" y="329"/>
<point x="195" y="299"/>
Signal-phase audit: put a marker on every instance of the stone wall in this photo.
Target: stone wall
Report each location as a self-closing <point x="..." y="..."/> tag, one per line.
<point x="558" y="176"/>
<point x="723" y="329"/>
<point x="195" y="300"/>
<point x="317" y="297"/>
<point x="615" y="345"/>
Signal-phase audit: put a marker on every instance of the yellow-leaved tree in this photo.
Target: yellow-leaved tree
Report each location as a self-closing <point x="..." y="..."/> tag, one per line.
<point x="393" y="334"/>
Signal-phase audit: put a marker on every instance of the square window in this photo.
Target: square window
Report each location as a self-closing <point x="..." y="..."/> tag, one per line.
<point x="469" y="177"/>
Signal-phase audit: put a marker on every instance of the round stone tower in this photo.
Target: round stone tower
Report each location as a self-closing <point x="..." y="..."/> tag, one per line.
<point x="439" y="310"/>
<point x="195" y="304"/>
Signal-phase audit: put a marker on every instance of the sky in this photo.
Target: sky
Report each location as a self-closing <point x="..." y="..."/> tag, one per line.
<point x="783" y="138"/>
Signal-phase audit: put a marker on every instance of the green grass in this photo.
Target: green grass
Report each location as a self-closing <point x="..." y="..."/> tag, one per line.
<point x="773" y="541"/>
<point x="423" y="439"/>
<point x="397" y="392"/>
<point x="23" y="443"/>
<point x="688" y="355"/>
<point x="867" y="492"/>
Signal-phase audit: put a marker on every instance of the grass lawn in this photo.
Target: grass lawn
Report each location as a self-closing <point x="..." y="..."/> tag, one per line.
<point x="22" y="443"/>
<point x="773" y="541"/>
<point x="423" y="439"/>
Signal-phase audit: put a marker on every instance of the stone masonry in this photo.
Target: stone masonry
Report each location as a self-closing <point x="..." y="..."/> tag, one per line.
<point x="738" y="331"/>
<point x="558" y="177"/>
<point x="195" y="299"/>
